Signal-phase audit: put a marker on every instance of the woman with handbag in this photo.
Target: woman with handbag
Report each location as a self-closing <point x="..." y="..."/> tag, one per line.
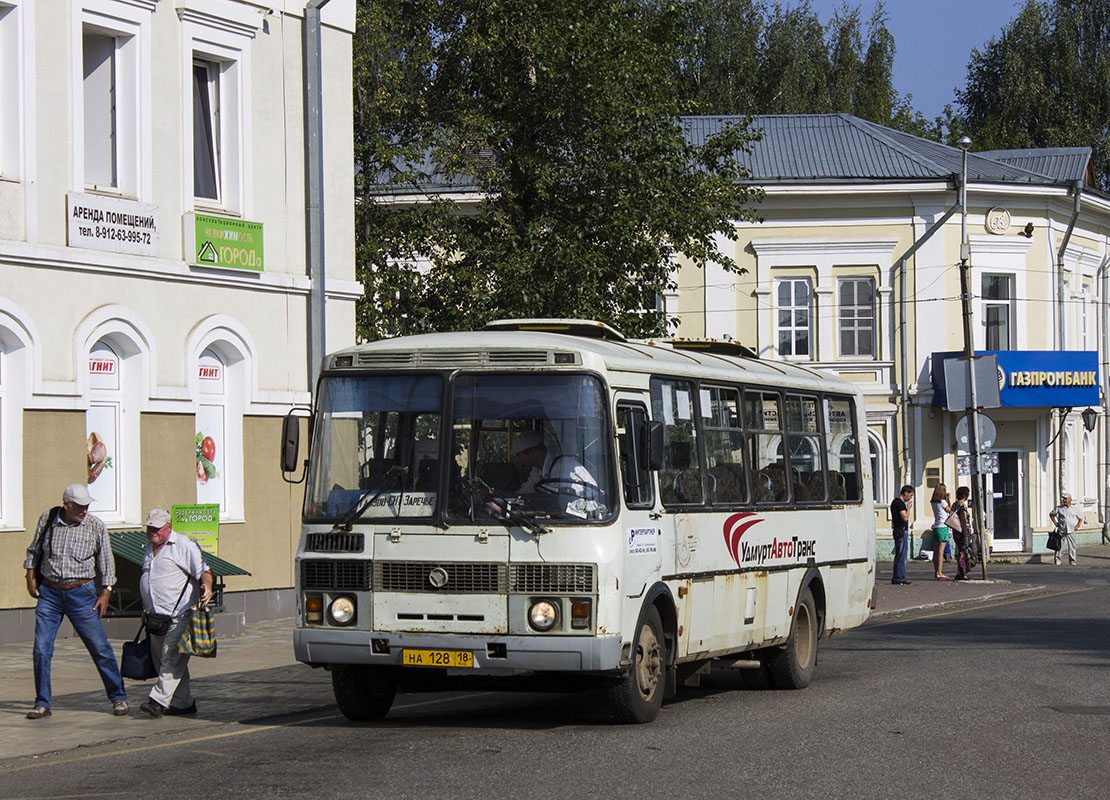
<point x="960" y="524"/>
<point x="174" y="578"/>
<point x="941" y="510"/>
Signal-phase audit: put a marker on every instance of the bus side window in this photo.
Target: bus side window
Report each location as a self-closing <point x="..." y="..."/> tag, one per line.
<point x="807" y="467"/>
<point x="724" y="444"/>
<point x="672" y="403"/>
<point x="842" y="445"/>
<point x="632" y="440"/>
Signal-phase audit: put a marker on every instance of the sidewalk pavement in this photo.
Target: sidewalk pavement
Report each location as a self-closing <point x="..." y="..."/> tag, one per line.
<point x="256" y="681"/>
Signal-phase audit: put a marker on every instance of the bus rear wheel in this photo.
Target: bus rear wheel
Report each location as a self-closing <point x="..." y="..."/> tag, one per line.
<point x="637" y="696"/>
<point x="792" y="666"/>
<point x="363" y="693"/>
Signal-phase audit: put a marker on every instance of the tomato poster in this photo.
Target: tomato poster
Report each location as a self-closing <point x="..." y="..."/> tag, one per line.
<point x="201" y="523"/>
<point x="209" y="454"/>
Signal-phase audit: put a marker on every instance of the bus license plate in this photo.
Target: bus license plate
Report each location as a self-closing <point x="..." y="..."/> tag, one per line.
<point x="437" y="658"/>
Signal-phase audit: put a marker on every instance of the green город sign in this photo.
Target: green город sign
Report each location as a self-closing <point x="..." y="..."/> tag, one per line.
<point x="223" y="242"/>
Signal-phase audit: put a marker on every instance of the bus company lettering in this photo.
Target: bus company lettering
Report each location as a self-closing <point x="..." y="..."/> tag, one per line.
<point x="788" y="548"/>
<point x="743" y="553"/>
<point x="642" y="540"/>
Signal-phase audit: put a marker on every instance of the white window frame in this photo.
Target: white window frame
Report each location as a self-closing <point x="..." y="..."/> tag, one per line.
<point x="220" y="32"/>
<point x="809" y="327"/>
<point x="229" y="339"/>
<point x="12" y="75"/>
<point x="855" y="319"/>
<point x="129" y="22"/>
<point x="1010" y="304"/>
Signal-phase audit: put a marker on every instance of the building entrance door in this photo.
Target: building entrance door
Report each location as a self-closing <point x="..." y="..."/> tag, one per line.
<point x="1006" y="493"/>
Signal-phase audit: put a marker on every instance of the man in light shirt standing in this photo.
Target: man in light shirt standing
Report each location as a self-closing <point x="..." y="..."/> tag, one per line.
<point x="174" y="575"/>
<point x="1067" y="519"/>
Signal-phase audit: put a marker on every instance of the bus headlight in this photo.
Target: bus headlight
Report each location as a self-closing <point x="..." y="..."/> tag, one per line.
<point x="543" y="615"/>
<point x="342" y="611"/>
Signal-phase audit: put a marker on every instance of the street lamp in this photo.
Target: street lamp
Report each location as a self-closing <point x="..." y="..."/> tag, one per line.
<point x="1090" y="419"/>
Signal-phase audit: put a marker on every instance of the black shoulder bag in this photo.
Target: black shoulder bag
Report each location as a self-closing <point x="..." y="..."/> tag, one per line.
<point x="158" y="624"/>
<point x="43" y="548"/>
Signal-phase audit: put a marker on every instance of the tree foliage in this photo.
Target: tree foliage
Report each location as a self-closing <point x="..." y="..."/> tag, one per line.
<point x="1044" y="82"/>
<point x="751" y="57"/>
<point x="562" y="118"/>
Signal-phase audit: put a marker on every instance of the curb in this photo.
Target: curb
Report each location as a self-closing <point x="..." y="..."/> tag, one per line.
<point x="965" y="601"/>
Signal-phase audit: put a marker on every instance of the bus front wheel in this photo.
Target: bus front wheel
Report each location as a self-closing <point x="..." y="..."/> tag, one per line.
<point x="637" y="696"/>
<point x="363" y="693"/>
<point x="791" y="666"/>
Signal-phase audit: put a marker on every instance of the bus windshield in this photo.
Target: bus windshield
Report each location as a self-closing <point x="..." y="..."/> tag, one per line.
<point x="528" y="445"/>
<point x="376" y="444"/>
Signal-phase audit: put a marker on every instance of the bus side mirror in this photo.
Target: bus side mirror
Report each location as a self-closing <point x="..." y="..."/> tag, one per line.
<point x="655" y="445"/>
<point x="290" y="443"/>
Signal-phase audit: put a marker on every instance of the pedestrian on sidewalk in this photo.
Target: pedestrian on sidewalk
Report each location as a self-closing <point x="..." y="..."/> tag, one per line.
<point x="899" y="531"/>
<point x="70" y="547"/>
<point x="959" y="522"/>
<point x="1067" y="518"/>
<point x="941" y="510"/>
<point x="174" y="575"/>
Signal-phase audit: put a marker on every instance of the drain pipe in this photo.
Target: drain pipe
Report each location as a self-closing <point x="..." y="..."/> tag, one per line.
<point x="1104" y="284"/>
<point x="1061" y="323"/>
<point x="903" y="349"/>
<point x="314" y="188"/>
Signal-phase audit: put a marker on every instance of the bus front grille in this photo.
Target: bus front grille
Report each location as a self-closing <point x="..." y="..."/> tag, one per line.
<point x="552" y="578"/>
<point x="335" y="575"/>
<point x="335" y="542"/>
<point x="449" y="577"/>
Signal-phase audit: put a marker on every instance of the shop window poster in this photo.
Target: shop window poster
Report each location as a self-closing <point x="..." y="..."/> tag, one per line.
<point x="201" y="523"/>
<point x="209" y="454"/>
<point x="102" y="428"/>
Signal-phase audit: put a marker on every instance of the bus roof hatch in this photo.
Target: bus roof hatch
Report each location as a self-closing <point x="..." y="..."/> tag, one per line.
<point x="572" y="327"/>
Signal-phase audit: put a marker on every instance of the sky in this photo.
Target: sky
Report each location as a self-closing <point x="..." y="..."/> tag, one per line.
<point x="934" y="39"/>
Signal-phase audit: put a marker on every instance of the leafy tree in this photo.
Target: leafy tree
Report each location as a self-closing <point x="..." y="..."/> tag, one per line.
<point x="563" y="118"/>
<point x="1044" y="82"/>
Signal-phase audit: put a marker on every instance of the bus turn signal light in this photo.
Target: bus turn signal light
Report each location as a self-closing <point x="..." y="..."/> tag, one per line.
<point x="314" y="609"/>
<point x="580" y="613"/>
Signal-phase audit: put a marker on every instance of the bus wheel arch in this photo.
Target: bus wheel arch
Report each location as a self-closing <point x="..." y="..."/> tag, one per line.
<point x="637" y="695"/>
<point x="792" y="665"/>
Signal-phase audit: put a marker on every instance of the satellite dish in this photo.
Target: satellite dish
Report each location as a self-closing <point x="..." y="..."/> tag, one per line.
<point x="987" y="432"/>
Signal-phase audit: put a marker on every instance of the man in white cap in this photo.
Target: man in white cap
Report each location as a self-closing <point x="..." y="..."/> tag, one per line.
<point x="69" y="548"/>
<point x="174" y="576"/>
<point x="1067" y="519"/>
<point x="556" y="474"/>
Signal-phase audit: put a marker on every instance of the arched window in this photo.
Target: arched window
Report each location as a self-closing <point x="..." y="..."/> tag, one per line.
<point x="1090" y="468"/>
<point x="18" y="371"/>
<point x="221" y="389"/>
<point x="104" y="431"/>
<point x="878" y="467"/>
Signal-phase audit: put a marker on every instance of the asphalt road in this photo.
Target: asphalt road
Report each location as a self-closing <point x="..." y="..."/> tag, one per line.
<point x="1009" y="700"/>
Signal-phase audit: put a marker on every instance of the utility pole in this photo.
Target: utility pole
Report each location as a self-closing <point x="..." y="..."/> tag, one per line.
<point x="969" y="355"/>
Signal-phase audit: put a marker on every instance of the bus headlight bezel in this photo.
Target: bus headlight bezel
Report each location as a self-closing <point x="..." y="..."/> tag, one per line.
<point x="342" y="611"/>
<point x="543" y="614"/>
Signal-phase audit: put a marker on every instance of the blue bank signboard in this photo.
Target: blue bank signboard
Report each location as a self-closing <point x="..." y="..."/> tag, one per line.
<point x="1035" y="378"/>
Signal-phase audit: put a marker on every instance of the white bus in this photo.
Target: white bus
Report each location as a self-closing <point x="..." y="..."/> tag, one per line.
<point x="546" y="498"/>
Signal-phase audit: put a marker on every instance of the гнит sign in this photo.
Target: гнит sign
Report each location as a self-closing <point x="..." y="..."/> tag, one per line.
<point x="223" y="242"/>
<point x="201" y="523"/>
<point x="114" y="224"/>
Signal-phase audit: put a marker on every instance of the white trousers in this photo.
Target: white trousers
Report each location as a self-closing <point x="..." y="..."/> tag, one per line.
<point x="173" y="667"/>
<point x="1069" y="542"/>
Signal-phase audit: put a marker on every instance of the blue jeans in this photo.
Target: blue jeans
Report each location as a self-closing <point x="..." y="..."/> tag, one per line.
<point x="78" y="605"/>
<point x="900" y="551"/>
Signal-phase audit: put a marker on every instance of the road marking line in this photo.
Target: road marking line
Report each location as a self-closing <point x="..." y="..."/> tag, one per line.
<point x="1024" y="598"/>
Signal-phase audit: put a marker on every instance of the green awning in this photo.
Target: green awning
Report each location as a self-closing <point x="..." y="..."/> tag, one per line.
<point x="130" y="545"/>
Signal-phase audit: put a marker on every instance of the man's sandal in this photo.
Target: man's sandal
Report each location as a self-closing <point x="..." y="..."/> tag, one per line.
<point x="38" y="712"/>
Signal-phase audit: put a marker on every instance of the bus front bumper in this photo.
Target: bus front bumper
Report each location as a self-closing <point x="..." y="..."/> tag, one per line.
<point x="492" y="654"/>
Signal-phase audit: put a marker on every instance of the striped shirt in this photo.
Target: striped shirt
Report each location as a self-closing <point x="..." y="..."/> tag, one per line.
<point x="73" y="552"/>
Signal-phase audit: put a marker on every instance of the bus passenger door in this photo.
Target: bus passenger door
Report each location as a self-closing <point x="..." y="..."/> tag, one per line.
<point x="643" y="535"/>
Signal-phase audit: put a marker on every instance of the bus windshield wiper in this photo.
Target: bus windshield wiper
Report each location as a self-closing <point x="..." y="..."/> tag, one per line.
<point x="367" y="499"/>
<point x="517" y="517"/>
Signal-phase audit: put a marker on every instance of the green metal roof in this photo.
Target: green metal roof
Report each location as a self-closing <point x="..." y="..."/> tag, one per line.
<point x="131" y="545"/>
